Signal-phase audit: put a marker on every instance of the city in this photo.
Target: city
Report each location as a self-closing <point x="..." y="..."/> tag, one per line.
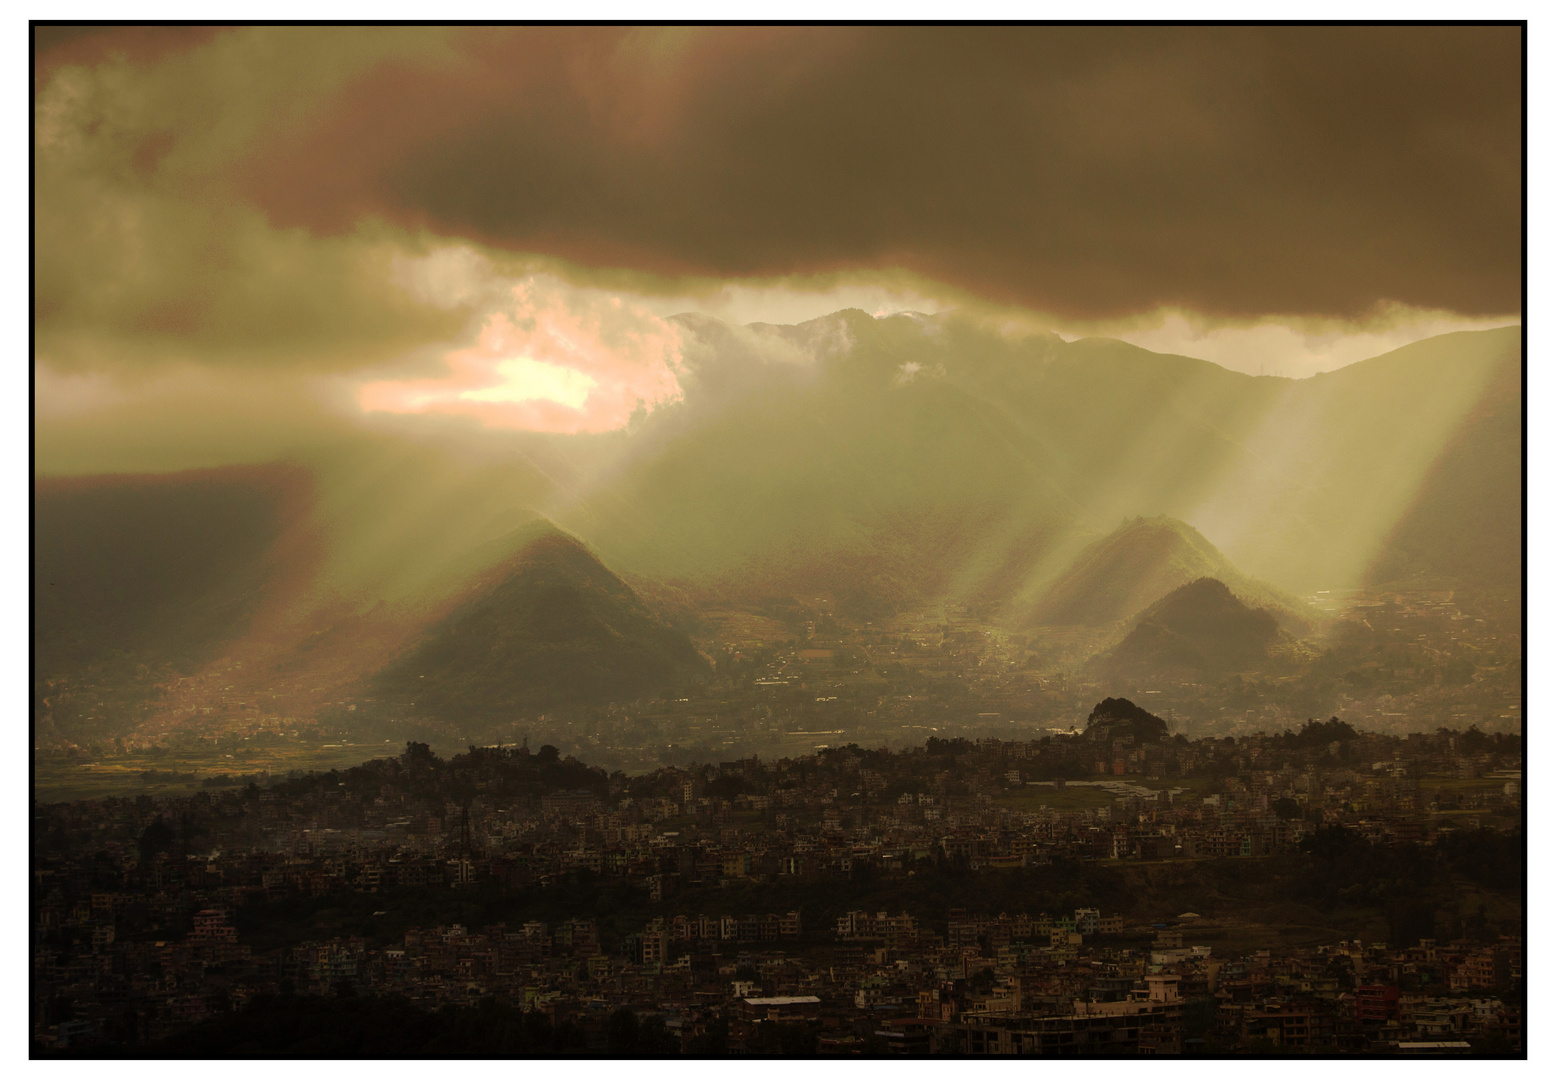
<point x="834" y="541"/>
<point x="1112" y="891"/>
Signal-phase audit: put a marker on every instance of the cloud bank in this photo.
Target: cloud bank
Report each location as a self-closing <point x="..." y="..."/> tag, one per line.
<point x="343" y="222"/>
<point x="1084" y="171"/>
<point x="551" y="358"/>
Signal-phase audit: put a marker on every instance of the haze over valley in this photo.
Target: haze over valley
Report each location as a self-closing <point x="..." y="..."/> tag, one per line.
<point x="853" y="530"/>
<point x="674" y="393"/>
<point x="785" y="541"/>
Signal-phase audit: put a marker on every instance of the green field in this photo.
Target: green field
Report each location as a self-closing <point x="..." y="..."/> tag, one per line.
<point x="57" y="778"/>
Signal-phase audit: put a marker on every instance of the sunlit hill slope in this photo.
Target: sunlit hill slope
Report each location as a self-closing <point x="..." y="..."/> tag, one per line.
<point x="881" y="463"/>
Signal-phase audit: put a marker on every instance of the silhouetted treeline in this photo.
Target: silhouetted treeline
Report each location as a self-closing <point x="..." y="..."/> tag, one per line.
<point x="937" y="747"/>
<point x="1476" y="741"/>
<point x="1316" y="733"/>
<point x="1144" y="726"/>
<point x="503" y="770"/>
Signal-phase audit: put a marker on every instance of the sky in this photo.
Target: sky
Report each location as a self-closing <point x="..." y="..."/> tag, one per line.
<point x="247" y="234"/>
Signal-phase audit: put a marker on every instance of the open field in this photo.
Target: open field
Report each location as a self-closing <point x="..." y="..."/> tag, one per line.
<point x="744" y="629"/>
<point x="1071" y="797"/>
<point x="58" y="778"/>
<point x="1456" y="786"/>
<point x="1299" y="929"/>
<point x="1065" y="798"/>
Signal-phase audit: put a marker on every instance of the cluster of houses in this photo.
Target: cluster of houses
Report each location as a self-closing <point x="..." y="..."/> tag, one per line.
<point x="1078" y="983"/>
<point x="139" y="905"/>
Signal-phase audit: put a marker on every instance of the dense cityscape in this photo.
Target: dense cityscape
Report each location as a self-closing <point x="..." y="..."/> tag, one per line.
<point x="1115" y="891"/>
<point x="846" y="541"/>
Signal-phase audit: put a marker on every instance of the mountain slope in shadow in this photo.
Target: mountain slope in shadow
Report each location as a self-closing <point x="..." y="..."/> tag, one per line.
<point x="549" y="627"/>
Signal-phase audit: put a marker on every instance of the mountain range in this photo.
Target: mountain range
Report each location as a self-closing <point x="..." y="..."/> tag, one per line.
<point x="914" y="457"/>
<point x="881" y="463"/>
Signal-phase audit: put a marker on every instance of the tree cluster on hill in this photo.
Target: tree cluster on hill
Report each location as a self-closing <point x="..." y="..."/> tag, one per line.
<point x="937" y="747"/>
<point x="1200" y="626"/>
<point x="1316" y="733"/>
<point x="1112" y="717"/>
<point x="1476" y="741"/>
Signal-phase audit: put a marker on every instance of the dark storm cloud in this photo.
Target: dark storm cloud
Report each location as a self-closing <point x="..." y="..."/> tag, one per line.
<point x="92" y="43"/>
<point x="1088" y="172"/>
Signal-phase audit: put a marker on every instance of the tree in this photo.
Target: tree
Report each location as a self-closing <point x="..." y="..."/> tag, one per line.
<point x="1124" y="716"/>
<point x="1476" y="741"/>
<point x="155" y="839"/>
<point x="621" y="1033"/>
<point x="418" y="753"/>
<point x="1330" y="842"/>
<point x="1316" y="733"/>
<point x="1410" y="919"/>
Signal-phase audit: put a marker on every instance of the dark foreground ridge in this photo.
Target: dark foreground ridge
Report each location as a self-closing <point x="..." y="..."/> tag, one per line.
<point x="1317" y="891"/>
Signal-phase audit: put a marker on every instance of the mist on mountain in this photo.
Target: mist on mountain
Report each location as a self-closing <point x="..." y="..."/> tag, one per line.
<point x="879" y="464"/>
<point x="1142" y="561"/>
<point x="935" y="456"/>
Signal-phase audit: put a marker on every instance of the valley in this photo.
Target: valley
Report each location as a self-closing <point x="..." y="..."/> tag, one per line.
<point x="925" y="527"/>
<point x="1399" y="661"/>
